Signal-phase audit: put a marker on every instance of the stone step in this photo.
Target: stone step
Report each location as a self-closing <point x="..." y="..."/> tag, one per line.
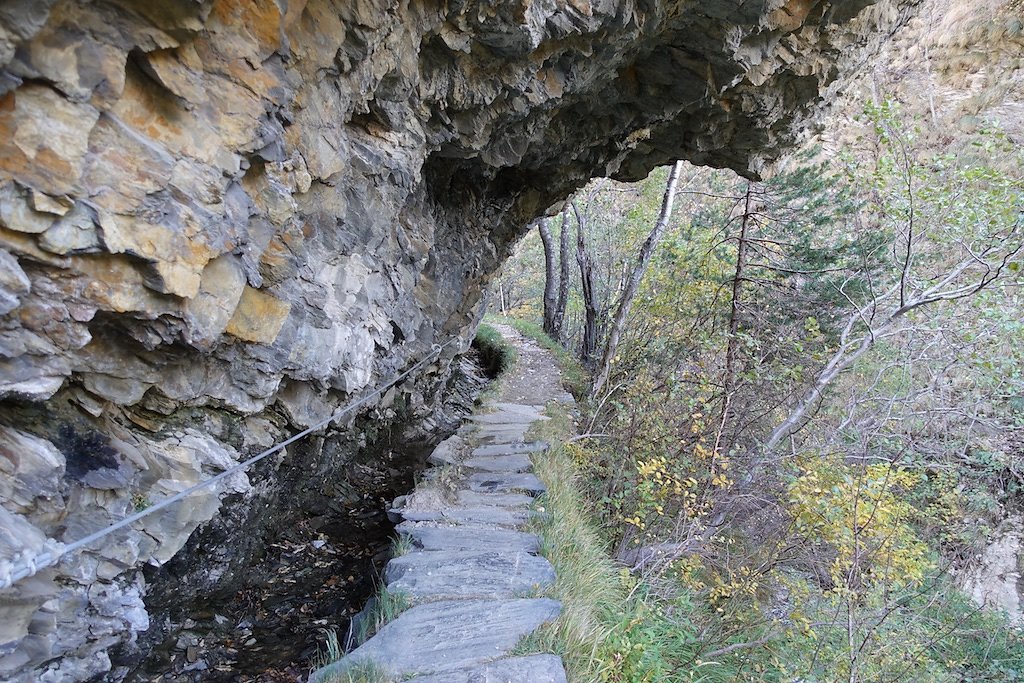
<point x="483" y="482"/>
<point x="460" y="574"/>
<point x="488" y="515"/>
<point x="531" y="669"/>
<point x="505" y="500"/>
<point x="499" y="434"/>
<point x="511" y="448"/>
<point x="507" y="418"/>
<point x="439" y="637"/>
<point x="429" y="536"/>
<point x="524" y="408"/>
<point x="512" y="462"/>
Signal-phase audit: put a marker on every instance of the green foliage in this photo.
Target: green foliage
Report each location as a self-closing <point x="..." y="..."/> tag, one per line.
<point x="360" y="673"/>
<point x="611" y="629"/>
<point x="826" y="559"/>
<point x="495" y="353"/>
<point x="928" y="635"/>
<point x="330" y="652"/>
<point x="386" y="605"/>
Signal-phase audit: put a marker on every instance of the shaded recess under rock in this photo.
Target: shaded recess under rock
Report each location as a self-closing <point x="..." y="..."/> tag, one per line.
<point x="222" y="219"/>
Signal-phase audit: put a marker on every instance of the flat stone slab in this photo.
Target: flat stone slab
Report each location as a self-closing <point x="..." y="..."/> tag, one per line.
<point x="460" y="515"/>
<point x="505" y="500"/>
<point x="524" y="408"/>
<point x="448" y="451"/>
<point x="512" y="462"/>
<point x="428" y="536"/>
<point x="500" y="434"/>
<point x="460" y="574"/>
<point x="484" y="482"/>
<point x="510" y="448"/>
<point x="507" y="418"/>
<point x="439" y="637"/>
<point x="531" y="669"/>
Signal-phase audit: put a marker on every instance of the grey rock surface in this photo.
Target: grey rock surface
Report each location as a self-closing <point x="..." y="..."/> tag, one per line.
<point x="509" y="448"/>
<point x="428" y="536"/>
<point x="499" y="463"/>
<point x="457" y="574"/>
<point x="481" y="482"/>
<point x="488" y="515"/>
<point x="506" y="417"/>
<point x="446" y="636"/>
<point x="474" y="499"/>
<point x="448" y="452"/>
<point x="532" y="669"/>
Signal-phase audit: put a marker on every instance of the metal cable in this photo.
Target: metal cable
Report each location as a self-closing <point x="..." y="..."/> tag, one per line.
<point x="48" y="558"/>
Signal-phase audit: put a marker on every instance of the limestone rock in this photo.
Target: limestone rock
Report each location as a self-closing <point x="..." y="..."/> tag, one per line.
<point x="258" y="317"/>
<point x="996" y="579"/>
<point x="13" y="283"/>
<point x="31" y="470"/>
<point x="448" y="452"/>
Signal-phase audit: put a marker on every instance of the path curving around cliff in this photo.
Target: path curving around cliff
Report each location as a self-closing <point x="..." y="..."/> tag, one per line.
<point x="471" y="573"/>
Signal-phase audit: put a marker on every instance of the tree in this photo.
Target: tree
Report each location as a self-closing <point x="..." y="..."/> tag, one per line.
<point x="633" y="283"/>
<point x="556" y="282"/>
<point x="588" y="345"/>
<point x="563" y="277"/>
<point x="550" y="279"/>
<point x="955" y="229"/>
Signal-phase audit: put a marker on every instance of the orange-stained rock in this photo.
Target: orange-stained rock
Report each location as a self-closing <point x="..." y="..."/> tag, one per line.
<point x="44" y="138"/>
<point x="259" y="317"/>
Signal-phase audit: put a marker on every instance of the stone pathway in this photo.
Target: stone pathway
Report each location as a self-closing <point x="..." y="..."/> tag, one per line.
<point x="472" y="574"/>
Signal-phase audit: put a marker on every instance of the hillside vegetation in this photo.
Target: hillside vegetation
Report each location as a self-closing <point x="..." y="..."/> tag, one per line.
<point x="803" y="433"/>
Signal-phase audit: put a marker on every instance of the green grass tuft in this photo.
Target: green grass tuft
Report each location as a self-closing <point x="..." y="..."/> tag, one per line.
<point x="401" y="545"/>
<point x="588" y="584"/>
<point x="611" y="629"/>
<point x="387" y="605"/>
<point x="496" y="354"/>
<point x="331" y="651"/>
<point x="360" y="673"/>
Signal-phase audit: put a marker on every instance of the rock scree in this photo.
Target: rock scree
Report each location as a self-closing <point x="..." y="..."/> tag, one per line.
<point x="471" y="568"/>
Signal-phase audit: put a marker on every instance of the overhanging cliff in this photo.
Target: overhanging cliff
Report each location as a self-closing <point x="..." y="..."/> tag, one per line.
<point x="221" y="219"/>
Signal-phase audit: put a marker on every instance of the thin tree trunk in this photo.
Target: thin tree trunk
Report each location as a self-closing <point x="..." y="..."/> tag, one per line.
<point x="633" y="283"/>
<point x="563" y="277"/>
<point x="550" y="285"/>
<point x="732" y="346"/>
<point x="589" y="345"/>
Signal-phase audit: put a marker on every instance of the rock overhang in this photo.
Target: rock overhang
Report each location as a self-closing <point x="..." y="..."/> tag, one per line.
<point x="224" y="212"/>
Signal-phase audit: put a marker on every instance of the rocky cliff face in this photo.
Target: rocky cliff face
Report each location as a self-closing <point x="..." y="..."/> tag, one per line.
<point x="222" y="219"/>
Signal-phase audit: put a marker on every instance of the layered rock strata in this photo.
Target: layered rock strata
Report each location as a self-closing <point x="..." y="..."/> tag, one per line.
<point x="222" y="219"/>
